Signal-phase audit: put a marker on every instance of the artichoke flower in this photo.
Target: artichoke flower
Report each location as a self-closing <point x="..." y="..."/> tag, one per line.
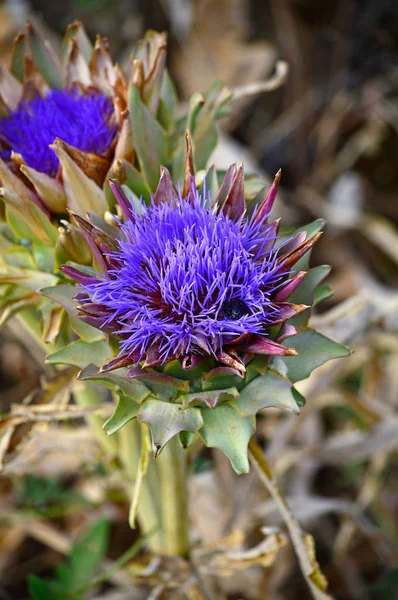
<point x="66" y="127"/>
<point x="61" y="122"/>
<point x="207" y="306"/>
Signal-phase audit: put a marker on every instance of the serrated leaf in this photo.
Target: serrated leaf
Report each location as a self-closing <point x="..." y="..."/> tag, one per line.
<point x="269" y="390"/>
<point x="165" y="420"/>
<point x="116" y="380"/>
<point x="313" y="351"/>
<point x="126" y="410"/>
<point x="80" y="354"/>
<point x="225" y="429"/>
<point x="150" y="140"/>
<point x="64" y="295"/>
<point x="210" y="398"/>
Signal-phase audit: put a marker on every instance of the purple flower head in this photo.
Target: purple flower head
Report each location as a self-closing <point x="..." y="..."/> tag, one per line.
<point x="83" y="121"/>
<point x="190" y="277"/>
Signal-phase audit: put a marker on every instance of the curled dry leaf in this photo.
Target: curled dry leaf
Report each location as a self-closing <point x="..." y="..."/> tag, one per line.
<point x="263" y="554"/>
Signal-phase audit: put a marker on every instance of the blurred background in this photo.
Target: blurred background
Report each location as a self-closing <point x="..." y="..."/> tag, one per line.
<point x="333" y="129"/>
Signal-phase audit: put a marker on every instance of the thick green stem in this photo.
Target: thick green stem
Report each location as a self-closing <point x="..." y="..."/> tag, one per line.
<point x="173" y="485"/>
<point x="148" y="513"/>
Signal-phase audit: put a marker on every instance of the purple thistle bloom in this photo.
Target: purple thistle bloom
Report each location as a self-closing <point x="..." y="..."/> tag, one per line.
<point x="186" y="276"/>
<point x="83" y="121"/>
<point x="188" y="280"/>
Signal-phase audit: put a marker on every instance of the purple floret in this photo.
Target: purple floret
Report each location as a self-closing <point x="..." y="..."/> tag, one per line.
<point x="188" y="280"/>
<point x="83" y="121"/>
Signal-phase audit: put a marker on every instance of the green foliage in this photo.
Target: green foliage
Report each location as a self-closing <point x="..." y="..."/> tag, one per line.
<point x="386" y="588"/>
<point x="313" y="351"/>
<point x="226" y="430"/>
<point x="74" y="577"/>
<point x="40" y="494"/>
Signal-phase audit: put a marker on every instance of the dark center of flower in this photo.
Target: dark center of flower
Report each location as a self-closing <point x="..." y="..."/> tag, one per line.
<point x="233" y="309"/>
<point x="83" y="121"/>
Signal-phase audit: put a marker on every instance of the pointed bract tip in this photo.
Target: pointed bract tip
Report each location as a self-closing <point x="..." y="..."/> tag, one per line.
<point x="121" y="197"/>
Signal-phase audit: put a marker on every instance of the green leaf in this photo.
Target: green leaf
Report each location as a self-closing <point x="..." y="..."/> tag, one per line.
<point x="64" y="295"/>
<point x="44" y="58"/>
<point x="204" y="132"/>
<point x="150" y="139"/>
<point x="168" y="103"/>
<point x="27" y="220"/>
<point x="136" y="182"/>
<point x="19" y="257"/>
<point x="76" y="31"/>
<point x="186" y="438"/>
<point x="305" y="293"/>
<point x="269" y="390"/>
<point x="313" y="350"/>
<point x="126" y="410"/>
<point x="225" y="429"/>
<point x="39" y="589"/>
<point x="186" y="122"/>
<point x="19" y="51"/>
<point x="165" y="420"/>
<point x="82" y="193"/>
<point x="86" y="557"/>
<point x="44" y="257"/>
<point x="220" y="378"/>
<point x="80" y="354"/>
<point x="116" y="380"/>
<point x="210" y="398"/>
<point x="14" y="300"/>
<point x="27" y="278"/>
<point x="299" y="398"/>
<point x="175" y="369"/>
<point x="322" y="292"/>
